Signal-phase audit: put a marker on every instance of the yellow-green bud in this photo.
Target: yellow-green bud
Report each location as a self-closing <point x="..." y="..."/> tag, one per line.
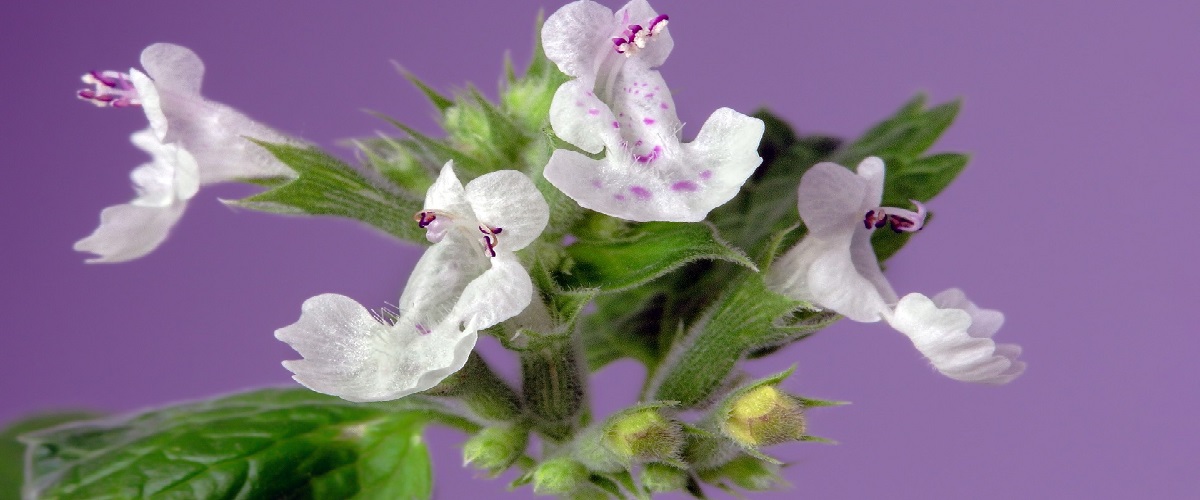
<point x="494" y="449"/>
<point x="643" y="435"/>
<point x="559" y="476"/>
<point x="661" y="478"/>
<point x="764" y="416"/>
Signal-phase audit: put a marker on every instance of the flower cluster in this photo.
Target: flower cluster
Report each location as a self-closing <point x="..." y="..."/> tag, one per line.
<point x="580" y="190"/>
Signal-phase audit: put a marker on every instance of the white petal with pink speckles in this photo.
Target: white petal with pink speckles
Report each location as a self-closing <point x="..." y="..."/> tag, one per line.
<point x="619" y="104"/>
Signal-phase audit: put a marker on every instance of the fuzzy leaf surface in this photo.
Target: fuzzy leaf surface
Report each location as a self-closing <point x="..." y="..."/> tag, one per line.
<point x="270" y="443"/>
<point x="328" y="186"/>
<point x="642" y="253"/>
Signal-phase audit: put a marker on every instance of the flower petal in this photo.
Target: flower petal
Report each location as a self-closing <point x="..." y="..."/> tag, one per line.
<point x="577" y="37"/>
<point x="941" y="335"/>
<point x="151" y="102"/>
<point x="173" y="67"/>
<point x="655" y="53"/>
<point x="348" y="353"/>
<point x="499" y="294"/>
<point x="580" y="118"/>
<point x="130" y="231"/>
<point x="172" y="173"/>
<point x="871" y="170"/>
<point x="867" y="265"/>
<point x="218" y="137"/>
<point x="984" y="322"/>
<point x="836" y="284"/>
<point x="679" y="183"/>
<point x="446" y="194"/>
<point x="508" y="200"/>
<point x="829" y="199"/>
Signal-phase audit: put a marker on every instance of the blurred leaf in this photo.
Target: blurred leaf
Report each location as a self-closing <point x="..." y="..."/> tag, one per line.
<point x="269" y="443"/>
<point x="12" y="452"/>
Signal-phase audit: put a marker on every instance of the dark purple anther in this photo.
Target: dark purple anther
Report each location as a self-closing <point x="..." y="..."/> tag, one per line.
<point x="424" y="219"/>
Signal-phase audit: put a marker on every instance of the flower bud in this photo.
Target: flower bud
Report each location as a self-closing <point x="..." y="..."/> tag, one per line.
<point x="559" y="476"/>
<point x="494" y="449"/>
<point x="763" y="416"/>
<point x="661" y="478"/>
<point x="643" y="435"/>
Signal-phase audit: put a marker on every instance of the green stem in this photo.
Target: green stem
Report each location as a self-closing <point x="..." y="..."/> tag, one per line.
<point x="484" y="392"/>
<point x="554" y="386"/>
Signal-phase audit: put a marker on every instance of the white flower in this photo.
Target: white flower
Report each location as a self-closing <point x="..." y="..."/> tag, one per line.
<point x="834" y="267"/>
<point x="618" y="102"/>
<point x="956" y="336"/>
<point x="193" y="142"/>
<point x="467" y="281"/>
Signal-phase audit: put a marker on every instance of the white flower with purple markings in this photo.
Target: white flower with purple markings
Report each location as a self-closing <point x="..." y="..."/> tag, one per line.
<point x="467" y="281"/>
<point x="834" y="267"/>
<point x="193" y="142"/>
<point x="619" y="104"/>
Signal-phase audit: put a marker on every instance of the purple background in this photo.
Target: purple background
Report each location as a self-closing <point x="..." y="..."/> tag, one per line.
<point x="1073" y="218"/>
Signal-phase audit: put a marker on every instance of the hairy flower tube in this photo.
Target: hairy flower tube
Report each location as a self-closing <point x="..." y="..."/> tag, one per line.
<point x="618" y="103"/>
<point x="192" y="142"/>
<point x="834" y="267"/>
<point x="467" y="281"/>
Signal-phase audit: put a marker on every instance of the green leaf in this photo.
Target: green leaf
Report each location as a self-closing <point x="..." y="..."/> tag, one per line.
<point x="745" y="317"/>
<point x="642" y="253"/>
<point x="921" y="179"/>
<point x="269" y="443"/>
<point x="439" y="101"/>
<point x="327" y="186"/>
<point x="12" y="452"/>
<point x="465" y="164"/>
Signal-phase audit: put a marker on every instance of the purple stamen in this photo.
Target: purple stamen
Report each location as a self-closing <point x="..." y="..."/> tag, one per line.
<point x="110" y="88"/>
<point x="424" y="219"/>
<point x="658" y="24"/>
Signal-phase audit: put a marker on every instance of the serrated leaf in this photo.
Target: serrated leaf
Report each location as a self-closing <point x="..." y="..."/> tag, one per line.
<point x="328" y="186"/>
<point x="12" y="452"/>
<point x="264" y="444"/>
<point x="921" y="179"/>
<point x="643" y="253"/>
<point x="904" y="136"/>
<point x="742" y="319"/>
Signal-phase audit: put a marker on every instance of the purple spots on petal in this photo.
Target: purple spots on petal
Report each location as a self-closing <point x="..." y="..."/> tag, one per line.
<point x="664" y="106"/>
<point x="619" y="197"/>
<point x="590" y="94"/>
<point x="640" y="192"/>
<point x="684" y="186"/>
<point x="616" y="125"/>
<point x="656" y="87"/>
<point x="648" y="157"/>
<point x="706" y="174"/>
<point x="579" y="103"/>
<point x="649" y="96"/>
<point x="597" y="184"/>
<point x="648" y="121"/>
<point x="593" y="111"/>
